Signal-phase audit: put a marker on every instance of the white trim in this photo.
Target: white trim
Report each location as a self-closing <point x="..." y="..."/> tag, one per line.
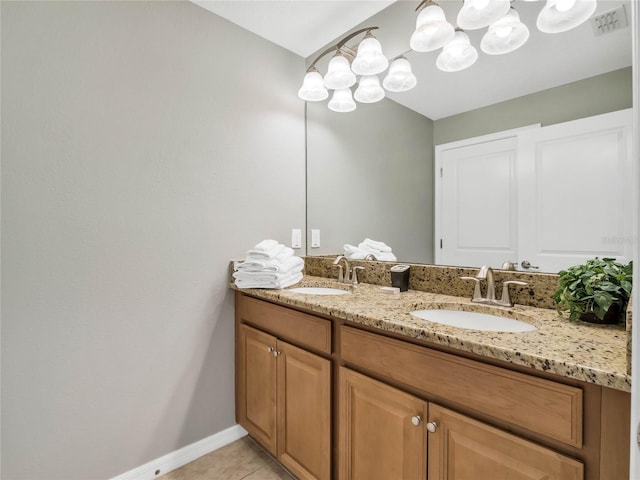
<point x="184" y="455"/>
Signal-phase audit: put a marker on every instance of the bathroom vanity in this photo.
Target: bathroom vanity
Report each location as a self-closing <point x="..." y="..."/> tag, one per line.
<point x="353" y="387"/>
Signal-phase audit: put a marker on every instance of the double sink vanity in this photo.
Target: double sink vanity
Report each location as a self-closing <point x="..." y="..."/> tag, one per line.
<point x="351" y="382"/>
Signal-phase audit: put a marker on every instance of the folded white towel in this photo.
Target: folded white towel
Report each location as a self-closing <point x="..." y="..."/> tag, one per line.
<point x="362" y="250"/>
<point x="272" y="253"/>
<point x="266" y="245"/>
<point x="266" y="275"/>
<point x="284" y="282"/>
<point x="354" y="253"/>
<point x="375" y="245"/>
<point x="278" y="265"/>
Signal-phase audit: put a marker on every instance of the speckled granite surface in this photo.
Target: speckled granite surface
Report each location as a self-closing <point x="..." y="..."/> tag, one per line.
<point x="592" y="353"/>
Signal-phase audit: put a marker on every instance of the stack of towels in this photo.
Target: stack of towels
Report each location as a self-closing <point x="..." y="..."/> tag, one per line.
<point x="379" y="250"/>
<point x="268" y="265"/>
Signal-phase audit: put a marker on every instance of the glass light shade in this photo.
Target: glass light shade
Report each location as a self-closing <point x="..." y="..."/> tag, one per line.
<point x="458" y="54"/>
<point x="505" y="35"/>
<point x="370" y="60"/>
<point x="432" y="30"/>
<point x="342" y="101"/>
<point x="312" y="89"/>
<point x="476" y="14"/>
<point x="562" y="15"/>
<point x="400" y="77"/>
<point x="369" y="90"/>
<point x="339" y="74"/>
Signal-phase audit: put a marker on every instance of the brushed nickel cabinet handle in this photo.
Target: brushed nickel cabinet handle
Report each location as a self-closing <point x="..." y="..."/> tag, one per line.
<point x="416" y="420"/>
<point x="432" y="427"/>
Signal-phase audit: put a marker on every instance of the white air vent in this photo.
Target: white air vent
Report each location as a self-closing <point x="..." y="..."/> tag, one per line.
<point x="609" y="21"/>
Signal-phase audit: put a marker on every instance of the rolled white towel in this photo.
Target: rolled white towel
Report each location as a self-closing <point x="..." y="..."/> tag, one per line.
<point x="283" y="282"/>
<point x="375" y="245"/>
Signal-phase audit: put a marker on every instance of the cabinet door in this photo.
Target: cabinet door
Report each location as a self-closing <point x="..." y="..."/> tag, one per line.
<point x="304" y="413"/>
<point x="256" y="388"/>
<point x="465" y="449"/>
<point x="378" y="437"/>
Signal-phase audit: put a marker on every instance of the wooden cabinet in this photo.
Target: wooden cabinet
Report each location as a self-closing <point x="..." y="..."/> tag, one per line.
<point x="283" y="399"/>
<point x="461" y="448"/>
<point x="382" y="434"/>
<point x="402" y="410"/>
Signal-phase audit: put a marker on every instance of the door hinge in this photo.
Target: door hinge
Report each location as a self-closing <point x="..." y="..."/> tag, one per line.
<point x="440" y="172"/>
<point x="638" y="435"/>
<point x="440" y="243"/>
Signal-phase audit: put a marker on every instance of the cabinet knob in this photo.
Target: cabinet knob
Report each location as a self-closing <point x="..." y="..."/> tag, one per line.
<point x="275" y="353"/>
<point x="269" y="349"/>
<point x="416" y="420"/>
<point x="432" y="427"/>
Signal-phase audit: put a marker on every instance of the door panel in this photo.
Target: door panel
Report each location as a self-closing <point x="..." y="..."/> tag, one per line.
<point x="304" y="413"/>
<point x="378" y="440"/>
<point x="575" y="191"/>
<point x="257" y="387"/>
<point x="465" y="449"/>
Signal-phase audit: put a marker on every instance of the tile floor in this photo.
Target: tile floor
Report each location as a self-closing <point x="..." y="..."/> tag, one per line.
<point x="240" y="460"/>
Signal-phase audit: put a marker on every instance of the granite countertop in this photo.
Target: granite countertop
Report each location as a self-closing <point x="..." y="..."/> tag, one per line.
<point x="591" y="353"/>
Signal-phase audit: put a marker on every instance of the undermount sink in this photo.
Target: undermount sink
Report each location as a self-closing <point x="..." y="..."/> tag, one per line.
<point x="473" y="320"/>
<point x="318" y="291"/>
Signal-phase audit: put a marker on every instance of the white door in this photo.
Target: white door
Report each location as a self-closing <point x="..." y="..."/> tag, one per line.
<point x="476" y="200"/>
<point x="575" y="192"/>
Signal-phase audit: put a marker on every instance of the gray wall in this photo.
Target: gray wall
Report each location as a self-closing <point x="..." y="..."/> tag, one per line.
<point x="600" y="94"/>
<point x="139" y="155"/>
<point x="370" y="174"/>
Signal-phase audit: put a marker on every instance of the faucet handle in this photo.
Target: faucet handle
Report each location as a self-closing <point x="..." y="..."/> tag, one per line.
<point x="506" y="298"/>
<point x="477" y="294"/>
<point x="354" y="274"/>
<point x="340" y="273"/>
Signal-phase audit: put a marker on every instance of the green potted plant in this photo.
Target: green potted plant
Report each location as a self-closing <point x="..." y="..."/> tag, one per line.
<point x="596" y="291"/>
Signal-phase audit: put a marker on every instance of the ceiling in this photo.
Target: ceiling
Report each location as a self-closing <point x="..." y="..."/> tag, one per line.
<point x="545" y="61"/>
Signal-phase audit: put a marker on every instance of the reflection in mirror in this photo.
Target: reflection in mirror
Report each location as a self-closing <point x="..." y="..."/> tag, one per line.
<point x="370" y="173"/>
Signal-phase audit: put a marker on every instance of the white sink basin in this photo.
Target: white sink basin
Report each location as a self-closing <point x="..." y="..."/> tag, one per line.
<point x="318" y="291"/>
<point x="473" y="320"/>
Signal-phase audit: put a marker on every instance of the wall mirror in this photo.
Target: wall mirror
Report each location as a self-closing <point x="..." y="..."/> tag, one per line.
<point x="370" y="173"/>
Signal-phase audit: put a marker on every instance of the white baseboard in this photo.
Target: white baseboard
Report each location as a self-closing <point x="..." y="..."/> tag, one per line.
<point x="178" y="458"/>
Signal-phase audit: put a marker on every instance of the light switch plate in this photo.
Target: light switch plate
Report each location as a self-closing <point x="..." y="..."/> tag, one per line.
<point x="296" y="238"/>
<point x="315" y="238"/>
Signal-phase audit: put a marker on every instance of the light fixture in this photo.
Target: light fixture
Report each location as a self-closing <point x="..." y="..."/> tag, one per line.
<point x="476" y="14"/>
<point x="458" y="54"/>
<point x="432" y="29"/>
<point x="313" y="89"/>
<point x="339" y="74"/>
<point x="366" y="60"/>
<point x="342" y="101"/>
<point x="505" y="35"/>
<point x="370" y="60"/>
<point x="400" y="77"/>
<point x="369" y="90"/>
<point x="562" y="15"/>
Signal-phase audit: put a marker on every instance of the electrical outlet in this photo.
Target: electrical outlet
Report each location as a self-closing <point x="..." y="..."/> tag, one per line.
<point x="315" y="238"/>
<point x="296" y="238"/>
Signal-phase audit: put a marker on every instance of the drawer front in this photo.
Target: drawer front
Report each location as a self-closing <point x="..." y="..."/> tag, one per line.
<point x="297" y="327"/>
<point x="540" y="405"/>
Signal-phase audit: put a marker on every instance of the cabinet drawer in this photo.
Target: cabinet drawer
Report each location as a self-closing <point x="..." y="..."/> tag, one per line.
<point x="297" y="327"/>
<point x="540" y="405"/>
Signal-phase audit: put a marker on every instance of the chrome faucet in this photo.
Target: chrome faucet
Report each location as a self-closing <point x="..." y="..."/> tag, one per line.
<point x="486" y="273"/>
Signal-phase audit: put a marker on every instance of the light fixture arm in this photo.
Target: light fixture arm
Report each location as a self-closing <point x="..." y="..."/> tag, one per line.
<point x="425" y="4"/>
<point x="341" y="45"/>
